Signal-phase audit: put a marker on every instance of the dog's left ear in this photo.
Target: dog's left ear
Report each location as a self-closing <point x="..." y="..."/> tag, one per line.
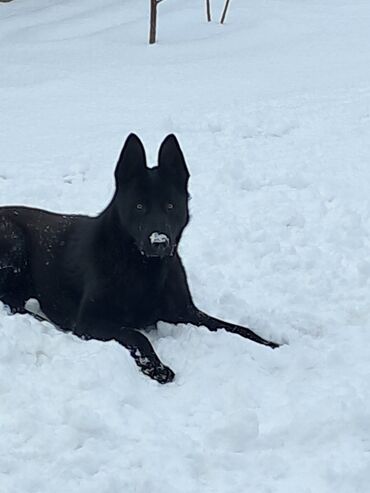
<point x="171" y="161"/>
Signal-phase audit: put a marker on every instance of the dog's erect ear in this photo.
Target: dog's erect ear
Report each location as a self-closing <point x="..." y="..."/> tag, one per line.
<point x="171" y="161"/>
<point x="132" y="160"/>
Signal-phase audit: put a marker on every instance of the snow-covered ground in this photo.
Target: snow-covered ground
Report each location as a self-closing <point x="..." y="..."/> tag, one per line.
<point x="273" y="113"/>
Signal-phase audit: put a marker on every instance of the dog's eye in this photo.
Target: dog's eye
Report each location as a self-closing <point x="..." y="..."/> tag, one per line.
<point x="139" y="207"/>
<point x="170" y="206"/>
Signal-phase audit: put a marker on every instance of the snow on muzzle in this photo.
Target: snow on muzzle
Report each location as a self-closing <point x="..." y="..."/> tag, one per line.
<point x="159" y="245"/>
<point x="158" y="238"/>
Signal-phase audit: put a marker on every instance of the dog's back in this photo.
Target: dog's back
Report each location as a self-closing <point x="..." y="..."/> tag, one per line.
<point x="34" y="245"/>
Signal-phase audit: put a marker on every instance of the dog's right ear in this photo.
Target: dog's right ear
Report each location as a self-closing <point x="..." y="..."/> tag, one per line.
<point x="171" y="161"/>
<point x="132" y="160"/>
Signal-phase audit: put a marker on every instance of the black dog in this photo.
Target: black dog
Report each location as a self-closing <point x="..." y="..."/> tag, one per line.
<point x="105" y="277"/>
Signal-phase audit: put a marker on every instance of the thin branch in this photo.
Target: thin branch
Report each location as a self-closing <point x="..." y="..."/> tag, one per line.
<point x="225" y="11"/>
<point x="208" y="8"/>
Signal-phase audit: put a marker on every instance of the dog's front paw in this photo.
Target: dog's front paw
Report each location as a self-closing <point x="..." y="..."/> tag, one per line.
<point x="158" y="372"/>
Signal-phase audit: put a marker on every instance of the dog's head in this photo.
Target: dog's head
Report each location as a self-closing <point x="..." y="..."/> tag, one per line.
<point x="152" y="203"/>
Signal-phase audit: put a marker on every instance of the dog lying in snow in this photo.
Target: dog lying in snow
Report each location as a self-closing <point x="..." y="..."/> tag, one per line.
<point x="105" y="277"/>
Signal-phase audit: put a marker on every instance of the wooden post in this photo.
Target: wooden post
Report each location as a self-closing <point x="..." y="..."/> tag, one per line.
<point x="153" y="21"/>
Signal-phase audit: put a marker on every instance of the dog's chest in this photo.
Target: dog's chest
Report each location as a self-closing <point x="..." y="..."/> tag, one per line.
<point x="138" y="297"/>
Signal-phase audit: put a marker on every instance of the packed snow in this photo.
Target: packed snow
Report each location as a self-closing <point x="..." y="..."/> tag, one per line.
<point x="273" y="114"/>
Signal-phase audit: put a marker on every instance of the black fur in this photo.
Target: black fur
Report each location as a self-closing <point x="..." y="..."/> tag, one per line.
<point x="107" y="276"/>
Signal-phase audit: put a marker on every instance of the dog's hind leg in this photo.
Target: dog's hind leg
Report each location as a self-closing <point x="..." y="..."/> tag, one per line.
<point x="13" y="266"/>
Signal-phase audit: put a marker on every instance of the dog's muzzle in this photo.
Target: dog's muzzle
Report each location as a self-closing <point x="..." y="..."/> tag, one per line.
<point x="159" y="245"/>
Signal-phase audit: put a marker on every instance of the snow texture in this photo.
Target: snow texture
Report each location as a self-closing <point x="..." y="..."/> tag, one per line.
<point x="273" y="113"/>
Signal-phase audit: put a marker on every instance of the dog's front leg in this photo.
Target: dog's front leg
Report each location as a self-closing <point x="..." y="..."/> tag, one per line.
<point x="178" y="307"/>
<point x="199" y="318"/>
<point x="137" y="344"/>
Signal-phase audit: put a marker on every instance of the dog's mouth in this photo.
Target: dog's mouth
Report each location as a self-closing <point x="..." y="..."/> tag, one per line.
<point x="158" y="245"/>
<point x="158" y="254"/>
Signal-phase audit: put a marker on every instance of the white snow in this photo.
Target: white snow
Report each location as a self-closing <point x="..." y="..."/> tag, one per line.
<point x="273" y="114"/>
<point x="156" y="237"/>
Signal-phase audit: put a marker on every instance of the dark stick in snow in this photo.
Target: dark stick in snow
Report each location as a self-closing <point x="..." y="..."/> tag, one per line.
<point x="225" y="11"/>
<point x="153" y="20"/>
<point x="208" y="8"/>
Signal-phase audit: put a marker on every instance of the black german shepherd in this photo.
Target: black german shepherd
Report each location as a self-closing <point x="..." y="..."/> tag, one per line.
<point x="105" y="277"/>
